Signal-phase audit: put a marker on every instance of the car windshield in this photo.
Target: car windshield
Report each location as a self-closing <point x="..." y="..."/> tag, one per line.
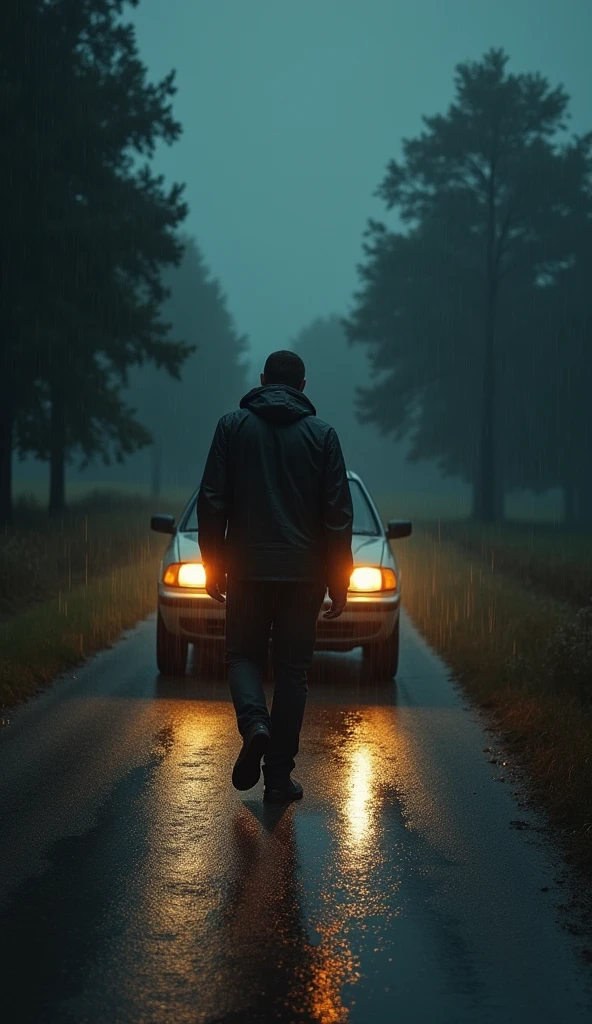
<point x="364" y="518"/>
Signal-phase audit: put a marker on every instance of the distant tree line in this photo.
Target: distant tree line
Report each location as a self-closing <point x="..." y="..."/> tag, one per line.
<point x="477" y="311"/>
<point x="181" y="415"/>
<point x="334" y="372"/>
<point x="89" y="241"/>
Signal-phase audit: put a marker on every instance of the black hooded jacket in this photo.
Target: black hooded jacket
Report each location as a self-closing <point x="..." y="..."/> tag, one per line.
<point x="274" y="501"/>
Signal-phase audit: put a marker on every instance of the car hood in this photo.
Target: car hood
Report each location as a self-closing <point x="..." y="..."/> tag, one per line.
<point x="365" y="550"/>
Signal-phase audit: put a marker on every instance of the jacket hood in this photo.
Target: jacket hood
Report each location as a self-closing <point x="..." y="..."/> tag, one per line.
<point x="278" y="403"/>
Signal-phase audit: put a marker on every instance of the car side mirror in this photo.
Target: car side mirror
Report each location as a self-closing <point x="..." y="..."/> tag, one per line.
<point x="398" y="528"/>
<point x="162" y="524"/>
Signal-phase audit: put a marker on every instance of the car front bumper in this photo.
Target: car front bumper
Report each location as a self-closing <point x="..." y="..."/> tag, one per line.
<point x="199" y="619"/>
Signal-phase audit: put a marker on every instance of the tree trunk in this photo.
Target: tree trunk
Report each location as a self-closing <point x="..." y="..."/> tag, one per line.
<point x="488" y="499"/>
<point x="6" y="442"/>
<point x="488" y="505"/>
<point x="57" y="449"/>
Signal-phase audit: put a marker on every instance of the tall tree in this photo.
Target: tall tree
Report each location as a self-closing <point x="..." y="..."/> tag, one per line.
<point x="547" y="412"/>
<point x="96" y="226"/>
<point x="416" y="312"/>
<point x="181" y="415"/>
<point x="562" y="374"/>
<point x="483" y="190"/>
<point x="21" y="49"/>
<point x="95" y="422"/>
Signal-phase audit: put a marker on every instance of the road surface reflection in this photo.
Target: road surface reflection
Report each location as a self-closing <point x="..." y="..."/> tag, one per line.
<point x="391" y="892"/>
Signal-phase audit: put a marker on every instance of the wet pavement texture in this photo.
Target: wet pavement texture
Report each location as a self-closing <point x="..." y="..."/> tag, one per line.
<point x="138" y="886"/>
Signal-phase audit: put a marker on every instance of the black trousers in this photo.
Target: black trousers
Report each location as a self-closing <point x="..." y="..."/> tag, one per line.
<point x="288" y="611"/>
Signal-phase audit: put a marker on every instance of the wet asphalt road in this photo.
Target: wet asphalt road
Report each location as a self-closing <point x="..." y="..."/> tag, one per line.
<point x="138" y="886"/>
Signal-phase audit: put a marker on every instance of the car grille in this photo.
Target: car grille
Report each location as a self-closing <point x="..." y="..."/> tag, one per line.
<point x="207" y="627"/>
<point x="327" y="630"/>
<point x="336" y="630"/>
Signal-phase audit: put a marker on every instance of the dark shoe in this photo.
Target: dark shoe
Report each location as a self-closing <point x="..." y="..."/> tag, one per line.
<point x="281" y="788"/>
<point x="247" y="768"/>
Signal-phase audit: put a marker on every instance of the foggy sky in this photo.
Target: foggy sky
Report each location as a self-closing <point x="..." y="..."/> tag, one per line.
<point x="290" y="112"/>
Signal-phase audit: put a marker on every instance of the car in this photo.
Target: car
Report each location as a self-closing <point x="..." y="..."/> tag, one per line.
<point x="188" y="615"/>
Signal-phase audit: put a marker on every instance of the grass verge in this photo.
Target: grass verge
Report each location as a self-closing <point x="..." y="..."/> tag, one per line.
<point x="41" y="558"/>
<point x="540" y="556"/>
<point x="69" y="586"/>
<point x="497" y="636"/>
<point x="38" y="644"/>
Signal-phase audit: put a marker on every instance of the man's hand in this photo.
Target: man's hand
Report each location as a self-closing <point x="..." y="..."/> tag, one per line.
<point x="215" y="585"/>
<point x="337" y="606"/>
<point x="214" y="591"/>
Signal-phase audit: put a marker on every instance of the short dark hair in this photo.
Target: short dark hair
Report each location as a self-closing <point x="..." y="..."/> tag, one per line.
<point x="284" y="367"/>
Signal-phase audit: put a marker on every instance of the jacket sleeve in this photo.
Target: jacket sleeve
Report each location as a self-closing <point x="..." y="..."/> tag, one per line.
<point x="338" y="516"/>
<point x="213" y="500"/>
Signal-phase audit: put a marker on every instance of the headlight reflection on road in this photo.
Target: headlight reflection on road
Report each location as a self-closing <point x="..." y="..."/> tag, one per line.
<point x="351" y="899"/>
<point x="367" y="783"/>
<point x="333" y="967"/>
<point x="358" y="806"/>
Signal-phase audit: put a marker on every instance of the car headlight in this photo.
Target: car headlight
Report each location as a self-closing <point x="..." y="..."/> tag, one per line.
<point x="369" y="579"/>
<point x="185" y="574"/>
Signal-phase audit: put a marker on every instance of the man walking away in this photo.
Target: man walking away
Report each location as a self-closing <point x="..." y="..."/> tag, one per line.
<point x="275" y="516"/>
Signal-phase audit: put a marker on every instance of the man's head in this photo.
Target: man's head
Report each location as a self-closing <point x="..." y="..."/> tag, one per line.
<point x="284" y="367"/>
